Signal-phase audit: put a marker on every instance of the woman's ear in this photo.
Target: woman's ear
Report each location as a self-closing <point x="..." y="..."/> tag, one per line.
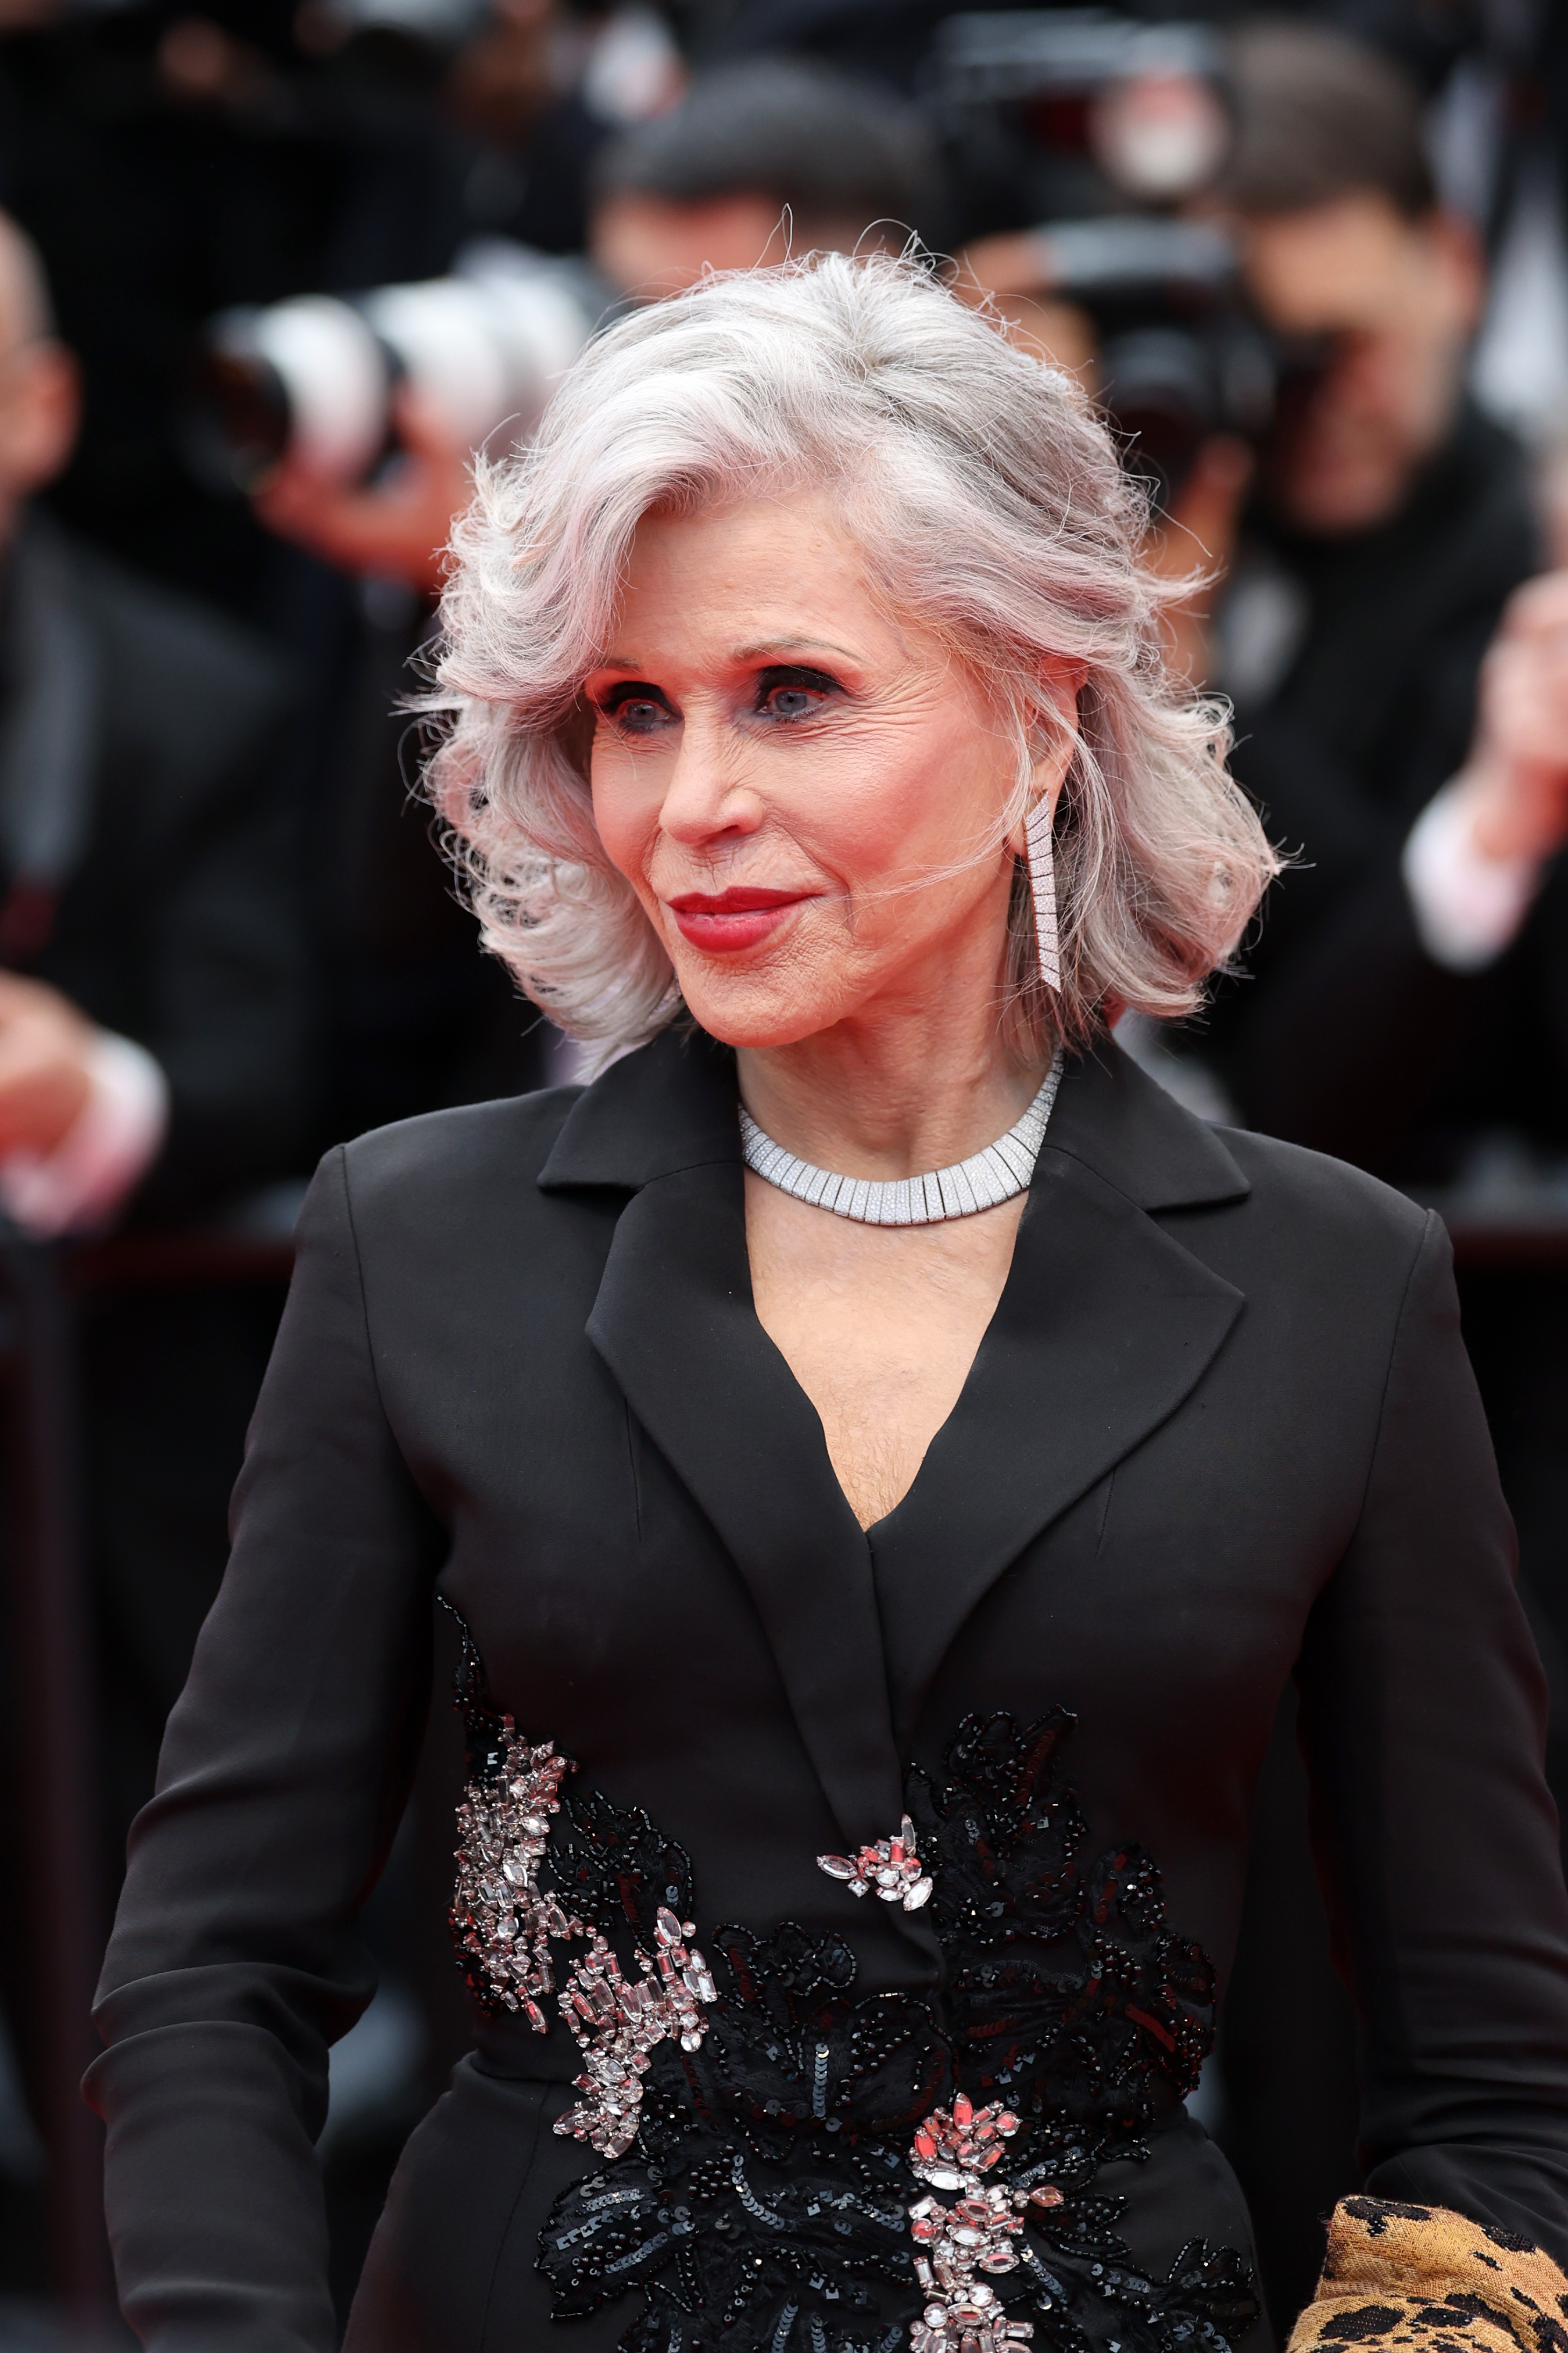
<point x="1064" y="682"/>
<point x="1049" y="768"/>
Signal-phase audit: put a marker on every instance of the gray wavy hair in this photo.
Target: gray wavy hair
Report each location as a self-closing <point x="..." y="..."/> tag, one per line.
<point x="991" y="506"/>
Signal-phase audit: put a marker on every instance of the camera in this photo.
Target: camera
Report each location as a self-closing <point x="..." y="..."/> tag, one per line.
<point x="314" y="378"/>
<point x="1072" y="111"/>
<point x="1180" y="356"/>
<point x="1099" y="127"/>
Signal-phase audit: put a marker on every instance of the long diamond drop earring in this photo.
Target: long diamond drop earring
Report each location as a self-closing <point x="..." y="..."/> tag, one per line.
<point x="1042" y="890"/>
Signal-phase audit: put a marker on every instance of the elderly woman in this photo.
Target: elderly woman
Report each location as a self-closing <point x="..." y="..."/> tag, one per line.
<point x="886" y="1458"/>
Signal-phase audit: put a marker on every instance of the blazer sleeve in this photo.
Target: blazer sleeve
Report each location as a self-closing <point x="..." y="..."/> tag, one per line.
<point x="1423" y="1720"/>
<point x="236" y="1960"/>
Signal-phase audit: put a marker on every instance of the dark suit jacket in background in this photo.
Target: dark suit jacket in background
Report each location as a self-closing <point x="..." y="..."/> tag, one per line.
<point x="149" y="869"/>
<point x="1342" y="1033"/>
<point x="1221" y="1429"/>
<point x="149" y="853"/>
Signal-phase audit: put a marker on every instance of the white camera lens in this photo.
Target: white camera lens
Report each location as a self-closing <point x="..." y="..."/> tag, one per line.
<point x="313" y="379"/>
<point x="305" y="376"/>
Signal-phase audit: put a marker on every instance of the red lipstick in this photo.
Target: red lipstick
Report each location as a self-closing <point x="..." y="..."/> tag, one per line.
<point x="724" y="921"/>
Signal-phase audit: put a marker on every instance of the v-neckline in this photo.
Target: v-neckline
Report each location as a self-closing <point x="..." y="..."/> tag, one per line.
<point x="868" y="1528"/>
<point x="1105" y="1324"/>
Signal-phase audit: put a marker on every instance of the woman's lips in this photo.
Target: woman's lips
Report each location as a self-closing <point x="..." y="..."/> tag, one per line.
<point x="727" y="921"/>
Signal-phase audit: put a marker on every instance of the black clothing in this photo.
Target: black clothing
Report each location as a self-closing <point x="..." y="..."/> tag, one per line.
<point x="1331" y="1038"/>
<point x="1376" y="706"/>
<point x="149" y="870"/>
<point x="148" y="859"/>
<point x="1345" y="1036"/>
<point x="1365" y="1047"/>
<point x="1221" y="1426"/>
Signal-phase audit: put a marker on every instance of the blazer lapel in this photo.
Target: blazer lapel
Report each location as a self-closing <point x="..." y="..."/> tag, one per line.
<point x="1106" y="1324"/>
<point x="674" y="1320"/>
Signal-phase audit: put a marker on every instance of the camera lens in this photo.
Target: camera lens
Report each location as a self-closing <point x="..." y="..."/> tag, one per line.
<point x="311" y="379"/>
<point x="1160" y="386"/>
<point x="305" y="378"/>
<point x="236" y="424"/>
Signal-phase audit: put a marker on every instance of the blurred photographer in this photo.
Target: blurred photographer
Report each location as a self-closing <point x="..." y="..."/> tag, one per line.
<point x="151" y="969"/>
<point x="758" y="158"/>
<point x="1387" y="526"/>
<point x="1402" y="711"/>
<point x="708" y="185"/>
<point x="1361" y="539"/>
<point x="152" y="1021"/>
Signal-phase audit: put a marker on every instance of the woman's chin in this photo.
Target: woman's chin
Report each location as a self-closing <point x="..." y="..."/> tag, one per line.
<point x="758" y="1015"/>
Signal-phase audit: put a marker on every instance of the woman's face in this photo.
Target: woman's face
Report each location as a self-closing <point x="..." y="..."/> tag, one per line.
<point x="804" y="794"/>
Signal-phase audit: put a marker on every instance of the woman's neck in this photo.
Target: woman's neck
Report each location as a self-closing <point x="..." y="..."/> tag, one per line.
<point x="893" y="1098"/>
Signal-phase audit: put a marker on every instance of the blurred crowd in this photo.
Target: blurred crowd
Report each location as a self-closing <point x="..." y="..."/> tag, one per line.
<point x="270" y="271"/>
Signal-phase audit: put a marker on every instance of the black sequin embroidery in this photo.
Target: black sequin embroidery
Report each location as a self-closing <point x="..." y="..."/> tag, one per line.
<point x="764" y="2203"/>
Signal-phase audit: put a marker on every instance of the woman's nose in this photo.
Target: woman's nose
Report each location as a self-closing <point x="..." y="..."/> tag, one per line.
<point x="707" y="794"/>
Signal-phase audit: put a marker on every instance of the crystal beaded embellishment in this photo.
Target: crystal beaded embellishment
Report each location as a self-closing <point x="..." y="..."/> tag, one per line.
<point x="503" y="1920"/>
<point x="892" y="1867"/>
<point x="617" y="2023"/>
<point x="506" y="1922"/>
<point x="757" y="2187"/>
<point x="955" y="2150"/>
<point x="984" y="1181"/>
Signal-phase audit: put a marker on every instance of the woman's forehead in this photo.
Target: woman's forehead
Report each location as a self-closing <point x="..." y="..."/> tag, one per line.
<point x="808" y="516"/>
<point x="757" y="574"/>
<point x="784" y="572"/>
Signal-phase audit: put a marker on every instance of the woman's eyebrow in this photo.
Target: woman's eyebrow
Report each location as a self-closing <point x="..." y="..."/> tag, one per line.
<point x="787" y="646"/>
<point x="742" y="653"/>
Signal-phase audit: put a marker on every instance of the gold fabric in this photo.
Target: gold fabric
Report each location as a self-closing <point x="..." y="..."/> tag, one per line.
<point x="1420" y="2276"/>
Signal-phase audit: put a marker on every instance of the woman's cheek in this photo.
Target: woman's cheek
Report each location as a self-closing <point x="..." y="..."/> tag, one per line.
<point x="626" y="812"/>
<point x="878" y="832"/>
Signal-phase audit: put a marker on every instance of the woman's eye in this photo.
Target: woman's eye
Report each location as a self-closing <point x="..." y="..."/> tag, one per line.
<point x="796" y="697"/>
<point x="636" y="714"/>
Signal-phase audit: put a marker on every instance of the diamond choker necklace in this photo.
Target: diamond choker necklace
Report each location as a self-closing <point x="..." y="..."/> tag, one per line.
<point x="984" y="1181"/>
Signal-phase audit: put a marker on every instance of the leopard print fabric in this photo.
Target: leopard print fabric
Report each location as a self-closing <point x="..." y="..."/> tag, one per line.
<point x="1422" y="2277"/>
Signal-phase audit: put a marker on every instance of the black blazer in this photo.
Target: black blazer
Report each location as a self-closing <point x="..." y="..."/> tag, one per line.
<point x="1221" y="1428"/>
<point x="150" y="856"/>
<point x="1343" y="1034"/>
